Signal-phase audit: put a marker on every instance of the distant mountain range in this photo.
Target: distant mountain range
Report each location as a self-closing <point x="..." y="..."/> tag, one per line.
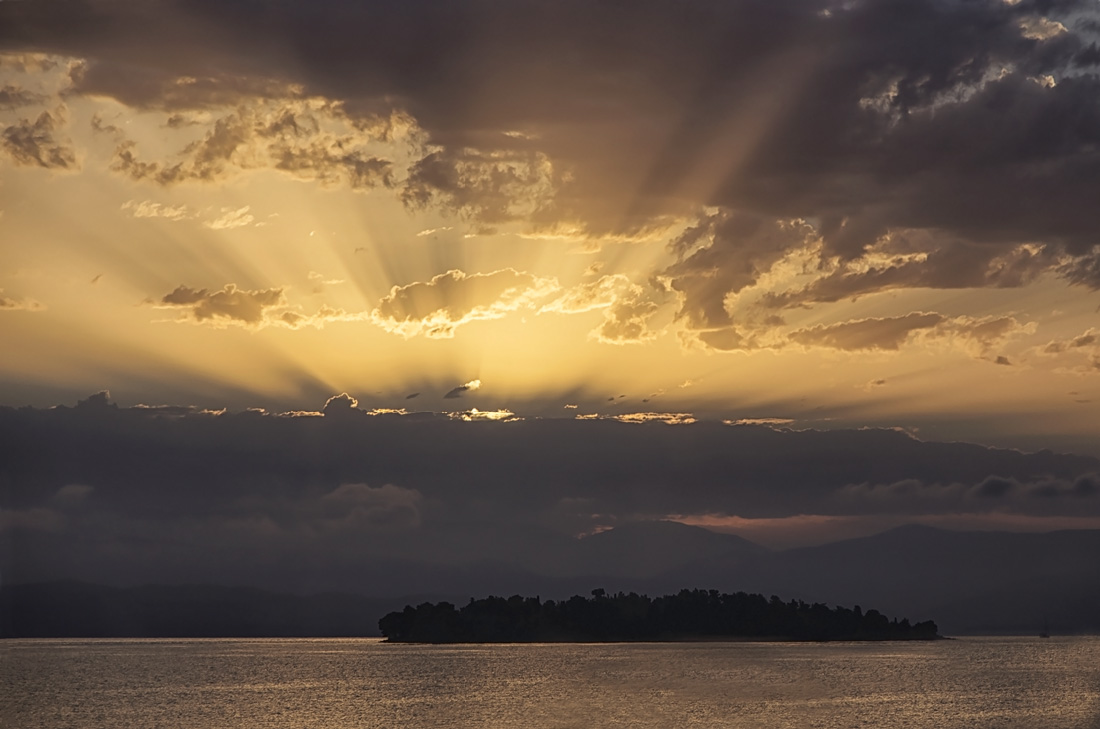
<point x="972" y="582"/>
<point x="968" y="582"/>
<point x="78" y="609"/>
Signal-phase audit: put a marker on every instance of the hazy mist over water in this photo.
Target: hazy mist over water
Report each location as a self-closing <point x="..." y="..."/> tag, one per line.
<point x="976" y="683"/>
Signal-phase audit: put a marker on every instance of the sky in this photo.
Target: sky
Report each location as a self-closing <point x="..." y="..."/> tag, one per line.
<point x="798" y="217"/>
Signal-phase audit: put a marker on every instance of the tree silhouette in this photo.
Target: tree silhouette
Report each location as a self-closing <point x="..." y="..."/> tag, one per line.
<point x="687" y="615"/>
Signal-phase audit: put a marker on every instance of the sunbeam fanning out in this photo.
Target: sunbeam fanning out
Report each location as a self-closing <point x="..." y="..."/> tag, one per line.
<point x="446" y="298"/>
<point x="776" y="192"/>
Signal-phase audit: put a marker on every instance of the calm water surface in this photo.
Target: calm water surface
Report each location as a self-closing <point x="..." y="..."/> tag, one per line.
<point x="345" y="684"/>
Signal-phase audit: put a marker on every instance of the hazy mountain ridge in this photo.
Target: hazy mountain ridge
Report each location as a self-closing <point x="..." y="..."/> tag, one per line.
<point x="924" y="569"/>
<point x="654" y="548"/>
<point x="79" y="609"/>
<point x="969" y="582"/>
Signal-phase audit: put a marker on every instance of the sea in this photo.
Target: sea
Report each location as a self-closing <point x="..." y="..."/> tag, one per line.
<point x="969" y="683"/>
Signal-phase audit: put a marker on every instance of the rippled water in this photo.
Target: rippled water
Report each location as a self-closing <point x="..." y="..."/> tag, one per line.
<point x="342" y="684"/>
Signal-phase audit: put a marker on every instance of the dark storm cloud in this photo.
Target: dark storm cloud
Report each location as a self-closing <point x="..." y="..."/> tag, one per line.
<point x="977" y="120"/>
<point x="113" y="493"/>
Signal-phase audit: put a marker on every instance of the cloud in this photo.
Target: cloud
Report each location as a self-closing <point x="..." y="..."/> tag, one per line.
<point x="196" y="491"/>
<point x="486" y="187"/>
<point x="248" y="308"/>
<point x="624" y="303"/>
<point x="27" y="62"/>
<point x="38" y="519"/>
<point x="461" y="389"/>
<point x="17" y="303"/>
<point x="759" y="421"/>
<point x="1083" y="270"/>
<point x="723" y="340"/>
<point x="1041" y="29"/>
<point x="151" y="87"/>
<point x="72" y="494"/>
<point x="872" y="117"/>
<point x="723" y="255"/>
<point x="324" y="315"/>
<point x="1088" y="339"/>
<point x="976" y="335"/>
<point x="35" y="144"/>
<point x="966" y="129"/>
<point x="982" y="334"/>
<point x="230" y="305"/>
<point x="357" y="505"/>
<point x="475" y="415"/>
<point x="993" y="487"/>
<point x="291" y="136"/>
<point x="626" y="322"/>
<point x="231" y="218"/>
<point x="151" y="209"/>
<point x="919" y="259"/>
<point x="666" y="418"/>
<point x="598" y="294"/>
<point x="13" y="97"/>
<point x="189" y="475"/>
<point x="1013" y="494"/>
<point x="437" y="307"/>
<point x="884" y="333"/>
<point x="1082" y="352"/>
<point x="432" y="231"/>
<point x="320" y="282"/>
<point x="99" y="402"/>
<point x="341" y="405"/>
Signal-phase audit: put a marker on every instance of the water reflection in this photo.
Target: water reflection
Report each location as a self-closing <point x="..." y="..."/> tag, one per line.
<point x="343" y="684"/>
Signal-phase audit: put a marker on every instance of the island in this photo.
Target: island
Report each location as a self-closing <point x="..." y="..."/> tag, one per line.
<point x="688" y="615"/>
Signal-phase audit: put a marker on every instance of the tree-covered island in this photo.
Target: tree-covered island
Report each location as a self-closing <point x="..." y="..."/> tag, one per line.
<point x="687" y="615"/>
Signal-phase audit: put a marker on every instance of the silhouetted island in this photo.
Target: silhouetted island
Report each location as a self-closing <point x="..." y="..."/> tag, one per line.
<point x="687" y="615"/>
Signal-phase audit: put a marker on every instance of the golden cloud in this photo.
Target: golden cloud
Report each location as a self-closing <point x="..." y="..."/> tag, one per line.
<point x="437" y="307"/>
